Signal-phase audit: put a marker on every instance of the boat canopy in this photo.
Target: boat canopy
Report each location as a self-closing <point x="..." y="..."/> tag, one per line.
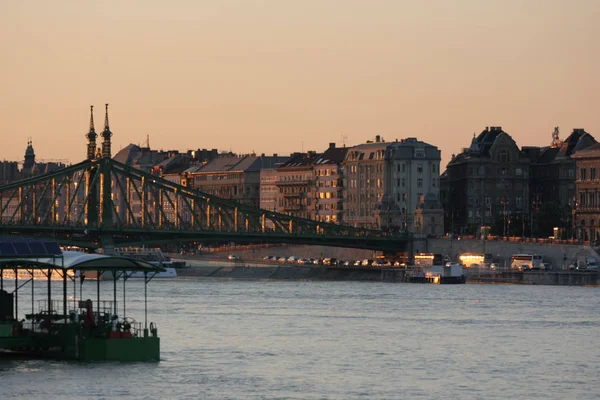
<point x="76" y="260"/>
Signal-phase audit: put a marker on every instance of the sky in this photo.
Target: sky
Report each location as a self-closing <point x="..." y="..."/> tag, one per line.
<point x="282" y="76"/>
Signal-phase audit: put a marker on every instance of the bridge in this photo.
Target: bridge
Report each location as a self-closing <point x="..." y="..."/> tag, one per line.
<point x="101" y="202"/>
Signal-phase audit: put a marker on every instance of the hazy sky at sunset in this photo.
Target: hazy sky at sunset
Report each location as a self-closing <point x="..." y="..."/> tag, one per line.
<point x="279" y="76"/>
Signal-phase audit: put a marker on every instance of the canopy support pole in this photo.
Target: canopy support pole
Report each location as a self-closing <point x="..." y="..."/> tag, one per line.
<point x="49" y="292"/>
<point x="64" y="272"/>
<point x="32" y="295"/>
<point x="124" y="291"/>
<point x="2" y="279"/>
<point x="75" y="291"/>
<point x="145" y="301"/>
<point x="114" y="292"/>
<point x="99" y="273"/>
<point x="16" y="294"/>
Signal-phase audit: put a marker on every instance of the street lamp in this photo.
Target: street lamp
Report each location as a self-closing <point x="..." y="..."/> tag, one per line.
<point x="504" y="202"/>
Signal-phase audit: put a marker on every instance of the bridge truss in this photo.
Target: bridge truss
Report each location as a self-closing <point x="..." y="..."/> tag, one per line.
<point x="104" y="203"/>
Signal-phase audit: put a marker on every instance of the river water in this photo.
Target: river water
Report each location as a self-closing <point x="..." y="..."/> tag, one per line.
<point x="226" y="339"/>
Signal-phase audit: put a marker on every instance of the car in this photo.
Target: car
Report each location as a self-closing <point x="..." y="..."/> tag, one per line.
<point x="233" y="257"/>
<point x="366" y="262"/>
<point x="493" y="266"/>
<point x="357" y="263"/>
<point x="380" y="263"/>
<point x="292" y="259"/>
<point x="400" y="264"/>
<point x="348" y="263"/>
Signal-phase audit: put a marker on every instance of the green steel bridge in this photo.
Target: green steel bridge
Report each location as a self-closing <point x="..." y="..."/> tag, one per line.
<point x="101" y="202"/>
<point x="104" y="203"/>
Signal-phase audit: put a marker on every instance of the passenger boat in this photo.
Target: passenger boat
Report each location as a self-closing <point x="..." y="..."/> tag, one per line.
<point x="152" y="256"/>
<point x="77" y="328"/>
<point x="437" y="274"/>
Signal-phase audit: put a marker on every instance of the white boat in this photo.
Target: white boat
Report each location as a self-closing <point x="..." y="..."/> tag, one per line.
<point x="152" y="256"/>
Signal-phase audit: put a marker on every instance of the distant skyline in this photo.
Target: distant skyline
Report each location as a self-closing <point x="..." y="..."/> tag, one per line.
<point x="279" y="76"/>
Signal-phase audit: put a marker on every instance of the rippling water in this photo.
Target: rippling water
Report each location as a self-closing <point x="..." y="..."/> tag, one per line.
<point x="225" y="339"/>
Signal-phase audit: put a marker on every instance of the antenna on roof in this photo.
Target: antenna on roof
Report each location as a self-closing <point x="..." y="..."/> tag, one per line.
<point x="344" y="137"/>
<point x="555" y="137"/>
<point x="148" y="141"/>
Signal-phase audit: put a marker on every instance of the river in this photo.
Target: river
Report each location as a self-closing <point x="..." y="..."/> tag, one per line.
<point x="227" y="339"/>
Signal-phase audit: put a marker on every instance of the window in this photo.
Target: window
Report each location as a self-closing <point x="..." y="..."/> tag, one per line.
<point x="592" y="173"/>
<point x="503" y="156"/>
<point x="518" y="201"/>
<point x="582" y="174"/>
<point x="488" y="201"/>
<point x="403" y="166"/>
<point x="420" y="168"/>
<point x="420" y="182"/>
<point x="403" y="182"/>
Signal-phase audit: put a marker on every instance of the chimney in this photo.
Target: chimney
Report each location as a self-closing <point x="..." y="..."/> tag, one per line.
<point x="377" y="139"/>
<point x="332" y="145"/>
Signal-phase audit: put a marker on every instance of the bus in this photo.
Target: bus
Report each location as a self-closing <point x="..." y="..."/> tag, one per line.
<point x="428" y="259"/>
<point x="473" y="259"/>
<point x="526" y="261"/>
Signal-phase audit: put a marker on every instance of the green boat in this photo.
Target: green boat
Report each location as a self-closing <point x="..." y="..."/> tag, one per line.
<point x="75" y="328"/>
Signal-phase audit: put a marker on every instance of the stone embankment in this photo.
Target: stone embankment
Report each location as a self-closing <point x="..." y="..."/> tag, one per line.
<point x="559" y="255"/>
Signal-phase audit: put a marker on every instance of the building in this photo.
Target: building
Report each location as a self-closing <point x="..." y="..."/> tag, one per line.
<point x="413" y="174"/>
<point x="364" y="169"/>
<point x="268" y="189"/>
<point x="296" y="188"/>
<point x="429" y="216"/>
<point x="384" y="182"/>
<point x="487" y="184"/>
<point x="9" y="172"/>
<point x="329" y="184"/>
<point x="586" y="208"/>
<point x="235" y="178"/>
<point x="552" y="182"/>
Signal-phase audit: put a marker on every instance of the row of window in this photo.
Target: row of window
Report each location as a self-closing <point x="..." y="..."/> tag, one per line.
<point x="583" y="174"/>
<point x="402" y="168"/>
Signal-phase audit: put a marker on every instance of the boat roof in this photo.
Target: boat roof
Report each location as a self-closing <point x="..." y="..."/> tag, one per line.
<point x="76" y="260"/>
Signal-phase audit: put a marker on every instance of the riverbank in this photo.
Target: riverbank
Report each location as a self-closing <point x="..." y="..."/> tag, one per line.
<point x="225" y="270"/>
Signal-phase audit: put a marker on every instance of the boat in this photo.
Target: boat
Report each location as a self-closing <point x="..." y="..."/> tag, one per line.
<point x="451" y="273"/>
<point x="153" y="256"/>
<point x="71" y="328"/>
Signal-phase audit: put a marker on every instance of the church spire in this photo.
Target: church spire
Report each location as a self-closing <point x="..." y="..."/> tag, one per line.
<point x="106" y="134"/>
<point x="91" y="136"/>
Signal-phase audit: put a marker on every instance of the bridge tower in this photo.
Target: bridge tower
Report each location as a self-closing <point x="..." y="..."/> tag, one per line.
<point x="106" y="134"/>
<point x="91" y="193"/>
<point x="106" y="202"/>
<point x="91" y="137"/>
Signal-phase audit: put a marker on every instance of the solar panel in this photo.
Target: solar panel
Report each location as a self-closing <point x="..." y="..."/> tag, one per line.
<point x="7" y="249"/>
<point x="37" y="248"/>
<point x="15" y="246"/>
<point x="22" y="248"/>
<point x="52" y="248"/>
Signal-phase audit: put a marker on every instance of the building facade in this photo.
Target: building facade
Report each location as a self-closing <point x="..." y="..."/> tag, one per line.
<point x="329" y="185"/>
<point x="235" y="178"/>
<point x="586" y="209"/>
<point x="552" y="182"/>
<point x="488" y="185"/>
<point x="384" y="182"/>
<point x="296" y="188"/>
